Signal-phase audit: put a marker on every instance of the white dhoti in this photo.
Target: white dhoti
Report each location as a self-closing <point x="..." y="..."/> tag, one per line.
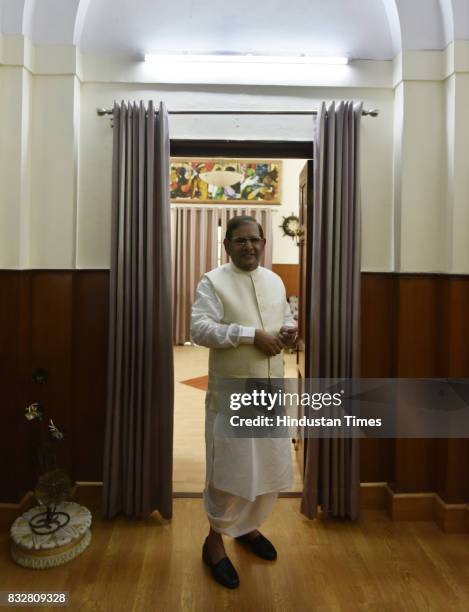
<point x="243" y="479"/>
<point x="233" y="515"/>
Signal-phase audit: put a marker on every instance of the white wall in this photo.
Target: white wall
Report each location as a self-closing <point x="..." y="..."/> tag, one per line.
<point x="458" y="192"/>
<point x="55" y="157"/>
<point x="54" y="172"/>
<point x="285" y="250"/>
<point x="15" y="121"/>
<point x="423" y="244"/>
<point x="96" y="146"/>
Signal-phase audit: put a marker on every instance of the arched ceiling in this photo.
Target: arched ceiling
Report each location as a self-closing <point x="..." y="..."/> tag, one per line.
<point x="364" y="29"/>
<point x="421" y="24"/>
<point x="460" y="19"/>
<point x="313" y="27"/>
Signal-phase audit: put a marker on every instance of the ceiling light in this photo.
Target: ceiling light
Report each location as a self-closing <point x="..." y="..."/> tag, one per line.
<point x="245" y="69"/>
<point x="246" y="59"/>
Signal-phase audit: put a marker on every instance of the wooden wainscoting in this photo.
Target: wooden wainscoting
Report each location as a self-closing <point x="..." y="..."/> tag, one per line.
<point x="412" y="326"/>
<point x="290" y="274"/>
<point x="56" y="320"/>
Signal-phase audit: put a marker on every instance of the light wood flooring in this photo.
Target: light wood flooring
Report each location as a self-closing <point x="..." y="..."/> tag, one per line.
<point x="189" y="418"/>
<point x="374" y="565"/>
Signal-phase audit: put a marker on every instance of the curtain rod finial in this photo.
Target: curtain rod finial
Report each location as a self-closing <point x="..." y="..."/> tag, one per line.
<point x="102" y="111"/>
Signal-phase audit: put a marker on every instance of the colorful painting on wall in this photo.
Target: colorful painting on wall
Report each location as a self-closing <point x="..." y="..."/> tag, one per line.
<point x="225" y="180"/>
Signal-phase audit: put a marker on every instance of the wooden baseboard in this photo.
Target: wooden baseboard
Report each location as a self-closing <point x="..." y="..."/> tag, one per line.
<point x="373" y="495"/>
<point x="451" y="518"/>
<point x="9" y="512"/>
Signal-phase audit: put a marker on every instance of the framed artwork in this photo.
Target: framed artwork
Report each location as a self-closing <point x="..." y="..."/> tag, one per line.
<point x="228" y="181"/>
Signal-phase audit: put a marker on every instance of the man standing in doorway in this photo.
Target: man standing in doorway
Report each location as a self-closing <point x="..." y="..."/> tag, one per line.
<point x="240" y="312"/>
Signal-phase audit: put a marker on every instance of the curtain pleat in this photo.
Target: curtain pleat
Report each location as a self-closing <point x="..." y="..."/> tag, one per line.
<point x="137" y="469"/>
<point x="195" y="252"/>
<point x="331" y="465"/>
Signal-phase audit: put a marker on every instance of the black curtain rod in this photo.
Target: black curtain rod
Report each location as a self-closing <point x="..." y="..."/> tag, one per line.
<point x="374" y="112"/>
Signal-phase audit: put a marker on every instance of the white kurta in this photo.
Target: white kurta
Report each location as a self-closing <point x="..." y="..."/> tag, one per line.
<point x="244" y="475"/>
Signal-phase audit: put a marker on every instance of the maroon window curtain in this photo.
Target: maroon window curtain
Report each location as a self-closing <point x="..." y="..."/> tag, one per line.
<point x="137" y="470"/>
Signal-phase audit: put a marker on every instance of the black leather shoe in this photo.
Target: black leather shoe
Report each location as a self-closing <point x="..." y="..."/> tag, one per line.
<point x="223" y="571"/>
<point x="260" y="546"/>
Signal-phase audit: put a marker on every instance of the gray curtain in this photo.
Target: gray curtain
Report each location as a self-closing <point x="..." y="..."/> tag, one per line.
<point x="331" y="477"/>
<point x="195" y="246"/>
<point x="262" y="216"/>
<point x="139" y="422"/>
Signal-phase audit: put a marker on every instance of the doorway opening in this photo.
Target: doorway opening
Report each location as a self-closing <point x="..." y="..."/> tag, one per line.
<point x="190" y="361"/>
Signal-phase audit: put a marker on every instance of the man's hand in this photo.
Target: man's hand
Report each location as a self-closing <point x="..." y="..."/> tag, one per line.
<point x="288" y="335"/>
<point x="268" y="344"/>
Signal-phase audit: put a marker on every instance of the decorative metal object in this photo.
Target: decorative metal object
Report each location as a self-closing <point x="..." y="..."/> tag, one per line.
<point x="54" y="484"/>
<point x="291" y="227"/>
<point x="52" y="489"/>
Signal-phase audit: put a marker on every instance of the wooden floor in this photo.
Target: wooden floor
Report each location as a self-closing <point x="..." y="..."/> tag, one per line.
<point x="189" y="418"/>
<point x="374" y="565"/>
